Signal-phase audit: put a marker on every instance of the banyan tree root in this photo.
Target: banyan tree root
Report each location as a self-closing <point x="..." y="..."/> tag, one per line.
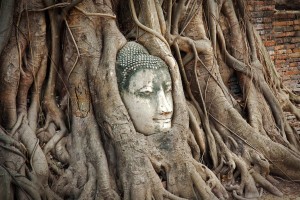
<point x="67" y="134"/>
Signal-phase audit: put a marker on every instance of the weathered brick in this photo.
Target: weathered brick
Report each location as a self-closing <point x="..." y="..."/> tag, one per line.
<point x="261" y="3"/>
<point x="297" y="77"/>
<point x="259" y="20"/>
<point x="292" y="72"/>
<point x="281" y="51"/>
<point x="277" y="47"/>
<point x="280" y="61"/>
<point x="250" y="8"/>
<point x="291" y="33"/>
<point x="295" y="59"/>
<point x="264" y="8"/>
<point x="269" y="43"/>
<point x="280" y="32"/>
<point x="281" y="56"/>
<point x="283" y="23"/>
<point x="293" y="64"/>
<point x="295" y="55"/>
<point x="296" y="50"/>
<point x="295" y="40"/>
<point x="257" y="3"/>
<point x="279" y="28"/>
<point x="260" y="32"/>
<point x="268" y="31"/>
<point x="283" y="28"/>
<point x="266" y="36"/>
<point x="285" y="78"/>
<point x="279" y="40"/>
<point x="270" y="49"/>
<point x="297" y="22"/>
<point x="267" y="20"/>
<point x="283" y="15"/>
<point x="259" y="26"/>
<point x="290" y="46"/>
<point x="289" y="28"/>
<point x="296" y="27"/>
<point x="269" y="13"/>
<point x="285" y="34"/>
<point x="257" y="14"/>
<point x="268" y="26"/>
<point x="287" y="39"/>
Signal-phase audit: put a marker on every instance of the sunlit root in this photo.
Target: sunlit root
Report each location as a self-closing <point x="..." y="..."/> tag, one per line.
<point x="37" y="157"/>
<point x="61" y="150"/>
<point x="266" y="184"/>
<point x="7" y="140"/>
<point x="89" y="188"/>
<point x="67" y="185"/>
<point x="54" y="115"/>
<point x="196" y="130"/>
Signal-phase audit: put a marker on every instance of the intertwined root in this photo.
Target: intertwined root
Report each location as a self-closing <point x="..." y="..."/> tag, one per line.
<point x="87" y="146"/>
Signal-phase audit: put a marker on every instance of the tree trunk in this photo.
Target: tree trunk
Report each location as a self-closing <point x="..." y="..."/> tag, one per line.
<point x="65" y="132"/>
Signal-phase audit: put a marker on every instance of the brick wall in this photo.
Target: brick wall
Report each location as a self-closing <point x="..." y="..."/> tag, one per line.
<point x="280" y="31"/>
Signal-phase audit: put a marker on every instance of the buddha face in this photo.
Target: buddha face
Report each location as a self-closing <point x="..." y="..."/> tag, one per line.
<point x="148" y="100"/>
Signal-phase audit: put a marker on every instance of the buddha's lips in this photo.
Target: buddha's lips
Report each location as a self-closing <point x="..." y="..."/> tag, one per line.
<point x="162" y="119"/>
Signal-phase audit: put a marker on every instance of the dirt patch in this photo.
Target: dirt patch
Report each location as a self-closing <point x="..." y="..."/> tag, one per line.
<point x="290" y="190"/>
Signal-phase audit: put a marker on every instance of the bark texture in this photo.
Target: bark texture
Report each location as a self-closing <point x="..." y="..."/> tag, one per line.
<point x="66" y="134"/>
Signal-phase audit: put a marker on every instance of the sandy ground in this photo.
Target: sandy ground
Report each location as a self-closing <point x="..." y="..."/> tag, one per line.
<point x="291" y="190"/>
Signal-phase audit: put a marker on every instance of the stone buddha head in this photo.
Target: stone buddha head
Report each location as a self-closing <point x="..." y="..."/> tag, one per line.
<point x="145" y="87"/>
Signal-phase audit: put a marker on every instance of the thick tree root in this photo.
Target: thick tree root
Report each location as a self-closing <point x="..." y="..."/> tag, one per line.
<point x="87" y="147"/>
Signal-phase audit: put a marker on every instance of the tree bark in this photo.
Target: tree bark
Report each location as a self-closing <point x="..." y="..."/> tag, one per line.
<point x="65" y="132"/>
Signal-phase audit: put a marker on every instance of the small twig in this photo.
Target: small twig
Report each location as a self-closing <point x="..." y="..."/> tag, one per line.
<point x="206" y="88"/>
<point x="19" y="47"/>
<point x="76" y="46"/>
<point x="290" y="181"/>
<point x="58" y="5"/>
<point x="169" y="19"/>
<point x="33" y="152"/>
<point x="69" y="7"/>
<point x="145" y="28"/>
<point x="161" y="18"/>
<point x="189" y="18"/>
<point x="17" y="124"/>
<point x="197" y="81"/>
<point x="95" y="14"/>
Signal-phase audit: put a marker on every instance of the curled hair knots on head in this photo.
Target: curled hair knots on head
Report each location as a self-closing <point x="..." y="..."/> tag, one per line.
<point x="131" y="58"/>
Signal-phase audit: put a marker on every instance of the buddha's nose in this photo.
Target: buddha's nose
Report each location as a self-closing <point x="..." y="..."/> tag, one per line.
<point x="163" y="106"/>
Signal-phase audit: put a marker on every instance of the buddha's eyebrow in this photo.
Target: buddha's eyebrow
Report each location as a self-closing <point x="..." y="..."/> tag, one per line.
<point x="146" y="86"/>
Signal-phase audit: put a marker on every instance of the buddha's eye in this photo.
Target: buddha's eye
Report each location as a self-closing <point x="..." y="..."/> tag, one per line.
<point x="144" y="92"/>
